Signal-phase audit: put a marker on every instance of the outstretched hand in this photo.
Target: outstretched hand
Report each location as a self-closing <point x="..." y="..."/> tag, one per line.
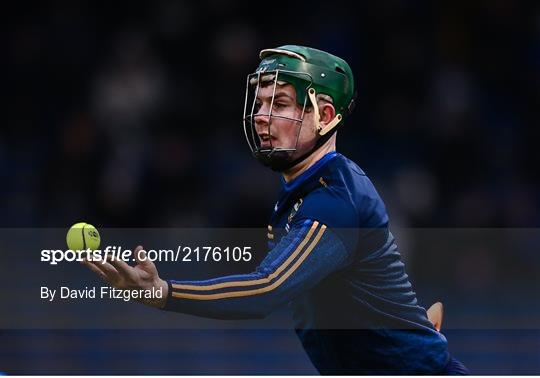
<point x="143" y="276"/>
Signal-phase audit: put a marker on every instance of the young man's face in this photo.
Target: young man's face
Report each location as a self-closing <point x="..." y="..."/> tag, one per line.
<point x="283" y="127"/>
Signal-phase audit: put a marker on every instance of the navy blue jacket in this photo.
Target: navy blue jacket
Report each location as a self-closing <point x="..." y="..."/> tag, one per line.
<point x="334" y="260"/>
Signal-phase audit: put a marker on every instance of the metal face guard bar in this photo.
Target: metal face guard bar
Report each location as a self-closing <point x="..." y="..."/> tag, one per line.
<point x="250" y="132"/>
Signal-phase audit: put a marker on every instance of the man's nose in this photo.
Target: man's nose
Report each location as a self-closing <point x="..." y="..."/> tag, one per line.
<point x="262" y="117"/>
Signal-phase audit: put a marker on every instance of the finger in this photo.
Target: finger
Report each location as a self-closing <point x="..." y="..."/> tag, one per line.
<point x="140" y="256"/>
<point x="122" y="267"/>
<point x="143" y="263"/>
<point x="107" y="269"/>
<point x="94" y="269"/>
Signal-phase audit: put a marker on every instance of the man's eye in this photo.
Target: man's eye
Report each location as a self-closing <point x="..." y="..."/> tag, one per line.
<point x="279" y="105"/>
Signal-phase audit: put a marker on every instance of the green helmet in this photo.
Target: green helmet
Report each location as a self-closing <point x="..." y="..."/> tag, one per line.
<point x="330" y="74"/>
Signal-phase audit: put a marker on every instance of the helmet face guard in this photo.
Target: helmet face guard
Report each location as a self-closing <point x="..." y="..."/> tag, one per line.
<point x="276" y="156"/>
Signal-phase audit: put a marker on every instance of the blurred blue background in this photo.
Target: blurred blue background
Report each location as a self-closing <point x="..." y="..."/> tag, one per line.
<point x="129" y="115"/>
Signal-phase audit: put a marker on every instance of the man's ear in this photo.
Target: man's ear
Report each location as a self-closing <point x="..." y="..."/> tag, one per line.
<point x="327" y="113"/>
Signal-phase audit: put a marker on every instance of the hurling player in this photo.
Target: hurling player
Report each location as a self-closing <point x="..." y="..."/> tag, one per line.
<point x="331" y="253"/>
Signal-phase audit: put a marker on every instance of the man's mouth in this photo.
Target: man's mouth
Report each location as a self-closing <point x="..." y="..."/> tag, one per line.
<point x="266" y="140"/>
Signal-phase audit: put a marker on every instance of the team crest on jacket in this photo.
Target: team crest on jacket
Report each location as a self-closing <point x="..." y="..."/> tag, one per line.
<point x="294" y="210"/>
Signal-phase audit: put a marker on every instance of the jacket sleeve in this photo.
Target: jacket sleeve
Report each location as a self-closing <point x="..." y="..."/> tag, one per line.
<point x="307" y="254"/>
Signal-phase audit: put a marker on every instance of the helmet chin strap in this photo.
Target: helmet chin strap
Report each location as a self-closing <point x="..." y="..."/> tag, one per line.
<point x="324" y="133"/>
<point x="331" y="125"/>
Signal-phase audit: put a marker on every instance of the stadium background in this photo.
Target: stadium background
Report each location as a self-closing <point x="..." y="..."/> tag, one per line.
<point x="130" y="116"/>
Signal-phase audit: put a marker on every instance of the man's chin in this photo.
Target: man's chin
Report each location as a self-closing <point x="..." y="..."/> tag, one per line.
<point x="278" y="161"/>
